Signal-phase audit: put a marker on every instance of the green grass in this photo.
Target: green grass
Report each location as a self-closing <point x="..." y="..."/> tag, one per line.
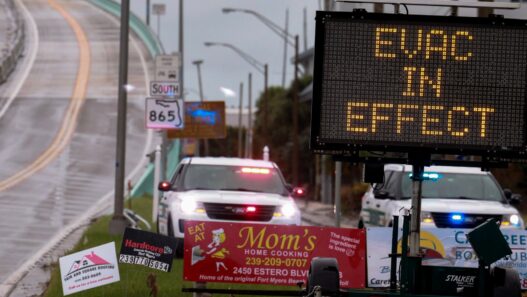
<point x="133" y="277"/>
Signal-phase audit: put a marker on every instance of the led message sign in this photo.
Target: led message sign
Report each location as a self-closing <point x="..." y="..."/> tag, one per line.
<point x="397" y="82"/>
<point x="202" y="120"/>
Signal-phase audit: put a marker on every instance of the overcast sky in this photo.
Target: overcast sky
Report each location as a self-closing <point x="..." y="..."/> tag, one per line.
<point x="222" y="67"/>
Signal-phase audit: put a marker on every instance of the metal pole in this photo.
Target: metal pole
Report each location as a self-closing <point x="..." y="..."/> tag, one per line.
<point x="198" y="64"/>
<point x="148" y="13"/>
<point x="415" y="222"/>
<point x="305" y="29"/>
<point x="181" y="48"/>
<point x="118" y="222"/>
<point x="295" y="117"/>
<point x="201" y="98"/>
<point x="284" y="66"/>
<point x="248" y="153"/>
<point x="157" y="174"/>
<point x="338" y="178"/>
<point x="240" y="130"/>
<point x="159" y="26"/>
<point x="484" y="12"/>
<point x="266" y="103"/>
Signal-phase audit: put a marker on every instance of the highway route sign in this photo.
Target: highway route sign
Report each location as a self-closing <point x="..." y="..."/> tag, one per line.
<point x="164" y="114"/>
<point x="165" y="89"/>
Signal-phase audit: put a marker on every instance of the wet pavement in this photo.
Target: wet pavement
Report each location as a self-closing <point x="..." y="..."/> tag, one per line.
<point x="35" y="209"/>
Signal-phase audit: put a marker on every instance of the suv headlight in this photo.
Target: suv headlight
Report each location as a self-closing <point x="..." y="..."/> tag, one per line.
<point x="511" y="220"/>
<point x="189" y="206"/>
<point x="287" y="210"/>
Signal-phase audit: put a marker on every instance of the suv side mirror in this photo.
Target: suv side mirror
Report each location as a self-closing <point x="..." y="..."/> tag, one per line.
<point x="298" y="192"/>
<point x="164" y="186"/>
<point x="508" y="194"/>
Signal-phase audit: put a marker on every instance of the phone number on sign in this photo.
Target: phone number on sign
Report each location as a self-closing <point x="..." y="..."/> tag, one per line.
<point x="275" y="262"/>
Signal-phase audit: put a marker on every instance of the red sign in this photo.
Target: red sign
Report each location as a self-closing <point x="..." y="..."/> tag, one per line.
<point x="270" y="254"/>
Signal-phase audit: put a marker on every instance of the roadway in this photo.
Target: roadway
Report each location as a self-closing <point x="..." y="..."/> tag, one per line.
<point x="58" y="124"/>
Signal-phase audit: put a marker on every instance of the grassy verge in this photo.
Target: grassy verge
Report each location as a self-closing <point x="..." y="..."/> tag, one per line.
<point x="133" y="277"/>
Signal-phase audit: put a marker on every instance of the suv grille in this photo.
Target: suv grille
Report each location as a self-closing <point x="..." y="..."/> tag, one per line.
<point x="237" y="212"/>
<point x="443" y="220"/>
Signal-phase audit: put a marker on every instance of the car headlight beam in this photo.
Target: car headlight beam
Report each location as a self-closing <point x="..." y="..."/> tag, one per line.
<point x="188" y="206"/>
<point x="288" y="210"/>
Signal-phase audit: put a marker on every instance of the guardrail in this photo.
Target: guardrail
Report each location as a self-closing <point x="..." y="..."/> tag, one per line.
<point x="14" y="45"/>
<point x="148" y="37"/>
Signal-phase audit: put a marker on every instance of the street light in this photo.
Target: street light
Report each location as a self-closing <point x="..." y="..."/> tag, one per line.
<point x="292" y="41"/>
<point x="283" y="33"/>
<point x="262" y="68"/>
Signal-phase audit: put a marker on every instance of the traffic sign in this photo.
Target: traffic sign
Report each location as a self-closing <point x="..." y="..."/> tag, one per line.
<point x="202" y="120"/>
<point x="167" y="67"/>
<point x="399" y="83"/>
<point x="159" y="9"/>
<point x="164" y="89"/>
<point x="164" y="114"/>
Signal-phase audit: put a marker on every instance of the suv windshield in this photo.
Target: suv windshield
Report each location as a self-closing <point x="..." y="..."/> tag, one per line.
<point x="456" y="186"/>
<point x="233" y="178"/>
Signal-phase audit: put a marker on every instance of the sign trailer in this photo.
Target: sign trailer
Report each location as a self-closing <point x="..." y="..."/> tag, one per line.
<point x="391" y="84"/>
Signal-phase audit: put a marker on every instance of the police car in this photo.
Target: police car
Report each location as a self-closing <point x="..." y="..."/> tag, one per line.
<point x="452" y="197"/>
<point x="225" y="189"/>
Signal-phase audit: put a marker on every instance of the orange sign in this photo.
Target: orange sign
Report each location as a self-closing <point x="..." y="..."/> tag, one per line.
<point x="202" y="120"/>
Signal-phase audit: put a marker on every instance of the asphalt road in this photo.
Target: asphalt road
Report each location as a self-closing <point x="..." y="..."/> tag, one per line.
<point x="57" y="137"/>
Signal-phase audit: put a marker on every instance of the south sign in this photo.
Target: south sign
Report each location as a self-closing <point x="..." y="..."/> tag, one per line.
<point x="399" y="82"/>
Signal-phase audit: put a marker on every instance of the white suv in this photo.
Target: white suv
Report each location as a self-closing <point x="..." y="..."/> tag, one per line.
<point x="453" y="197"/>
<point x="225" y="189"/>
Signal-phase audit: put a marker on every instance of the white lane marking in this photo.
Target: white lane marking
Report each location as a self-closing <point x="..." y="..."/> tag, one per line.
<point x="8" y="285"/>
<point x="32" y="48"/>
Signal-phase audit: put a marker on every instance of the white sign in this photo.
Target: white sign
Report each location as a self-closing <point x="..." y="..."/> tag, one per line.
<point x="165" y="114"/>
<point x="159" y="9"/>
<point x="88" y="269"/>
<point x="164" y="89"/>
<point x="167" y="67"/>
<point x="441" y="247"/>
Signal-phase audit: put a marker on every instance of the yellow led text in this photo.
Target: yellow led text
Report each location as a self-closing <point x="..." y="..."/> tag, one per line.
<point x="433" y="120"/>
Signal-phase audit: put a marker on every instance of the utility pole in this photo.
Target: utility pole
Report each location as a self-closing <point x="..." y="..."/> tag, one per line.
<point x="305" y="29"/>
<point x="201" y="98"/>
<point x="284" y="67"/>
<point x="266" y="104"/>
<point x="148" y="13"/>
<point x="295" y="117"/>
<point x="240" y="125"/>
<point x="248" y="138"/>
<point x="118" y="223"/>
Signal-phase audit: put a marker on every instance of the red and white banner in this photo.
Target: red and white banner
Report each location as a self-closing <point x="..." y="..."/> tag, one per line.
<point x="270" y="254"/>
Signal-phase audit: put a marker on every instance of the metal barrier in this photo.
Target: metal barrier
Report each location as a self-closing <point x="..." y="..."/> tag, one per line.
<point x="14" y="46"/>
